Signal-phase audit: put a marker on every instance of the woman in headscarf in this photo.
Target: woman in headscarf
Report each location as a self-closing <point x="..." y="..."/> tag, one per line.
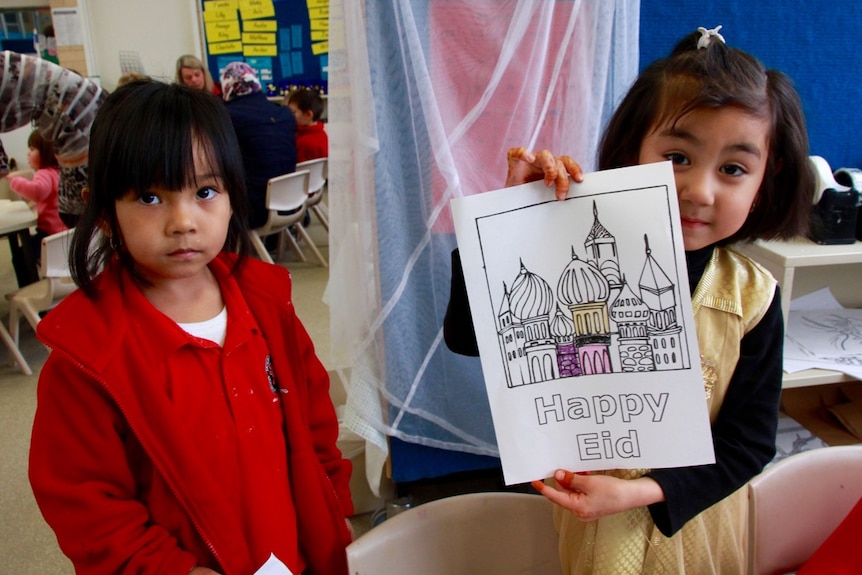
<point x="266" y="132"/>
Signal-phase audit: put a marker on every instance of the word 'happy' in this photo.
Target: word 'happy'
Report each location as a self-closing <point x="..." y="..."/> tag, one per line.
<point x="626" y="406"/>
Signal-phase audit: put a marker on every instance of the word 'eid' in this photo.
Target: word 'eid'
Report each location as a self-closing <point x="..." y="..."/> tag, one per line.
<point x="626" y="406"/>
<point x="593" y="446"/>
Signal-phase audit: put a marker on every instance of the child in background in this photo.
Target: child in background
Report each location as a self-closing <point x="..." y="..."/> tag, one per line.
<point x="42" y="189"/>
<point x="186" y="425"/>
<point x="735" y="133"/>
<point x="311" y="139"/>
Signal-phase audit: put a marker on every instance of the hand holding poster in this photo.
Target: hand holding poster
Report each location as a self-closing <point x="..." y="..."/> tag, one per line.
<point x="584" y="324"/>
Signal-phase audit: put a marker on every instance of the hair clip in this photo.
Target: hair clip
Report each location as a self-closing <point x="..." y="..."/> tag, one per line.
<point x="706" y="36"/>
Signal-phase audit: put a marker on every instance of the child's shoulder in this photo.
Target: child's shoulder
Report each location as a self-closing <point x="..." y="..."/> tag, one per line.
<point x="257" y="276"/>
<point x="731" y="257"/>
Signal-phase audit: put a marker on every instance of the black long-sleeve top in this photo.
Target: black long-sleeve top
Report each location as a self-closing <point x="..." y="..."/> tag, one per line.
<point x="743" y="433"/>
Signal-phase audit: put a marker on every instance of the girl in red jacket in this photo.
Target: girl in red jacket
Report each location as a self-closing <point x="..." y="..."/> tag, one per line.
<point x="42" y="189"/>
<point x="185" y="425"/>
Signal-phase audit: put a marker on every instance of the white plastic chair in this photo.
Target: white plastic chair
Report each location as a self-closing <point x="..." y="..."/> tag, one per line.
<point x="56" y="283"/>
<point x="286" y="200"/>
<point x="495" y="532"/>
<point x="797" y="502"/>
<point x="316" y="185"/>
<point x="14" y="351"/>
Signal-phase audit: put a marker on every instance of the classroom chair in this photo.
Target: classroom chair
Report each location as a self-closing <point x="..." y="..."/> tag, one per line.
<point x="797" y="502"/>
<point x="316" y="185"/>
<point x="494" y="532"/>
<point x="286" y="200"/>
<point x="32" y="300"/>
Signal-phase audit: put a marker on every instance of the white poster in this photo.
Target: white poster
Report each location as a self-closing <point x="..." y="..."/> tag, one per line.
<point x="584" y="324"/>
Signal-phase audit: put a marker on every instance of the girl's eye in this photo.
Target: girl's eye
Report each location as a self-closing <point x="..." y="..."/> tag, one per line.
<point x="149" y="199"/>
<point x="207" y="193"/>
<point x="733" y="170"/>
<point x="677" y="158"/>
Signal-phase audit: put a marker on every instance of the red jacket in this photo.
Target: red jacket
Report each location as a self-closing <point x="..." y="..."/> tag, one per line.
<point x="105" y="432"/>
<point x="311" y="142"/>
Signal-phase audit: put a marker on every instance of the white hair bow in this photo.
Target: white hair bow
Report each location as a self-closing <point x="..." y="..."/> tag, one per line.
<point x="706" y="36"/>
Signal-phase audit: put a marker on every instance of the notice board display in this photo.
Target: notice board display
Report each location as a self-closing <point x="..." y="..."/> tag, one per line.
<point x="285" y="41"/>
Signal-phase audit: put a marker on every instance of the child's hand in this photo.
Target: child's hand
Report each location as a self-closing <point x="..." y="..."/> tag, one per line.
<point x="590" y="497"/>
<point x="526" y="166"/>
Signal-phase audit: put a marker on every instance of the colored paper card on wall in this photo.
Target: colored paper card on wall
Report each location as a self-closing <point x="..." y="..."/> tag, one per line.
<point x="319" y="48"/>
<point x="286" y="67"/>
<point x="258" y="38"/>
<point x="319" y="35"/>
<point x="219" y="14"/>
<point x="220" y="5"/>
<point x="317" y="4"/>
<point x="319" y="13"/>
<point x="259" y="50"/>
<point x="324" y="66"/>
<point x="263" y="67"/>
<point x="225" y="47"/>
<point x="320" y="24"/>
<point x="260" y="26"/>
<point x="296" y="62"/>
<point x="253" y="9"/>
<point x="296" y="36"/>
<point x="222" y="31"/>
<point x="284" y="39"/>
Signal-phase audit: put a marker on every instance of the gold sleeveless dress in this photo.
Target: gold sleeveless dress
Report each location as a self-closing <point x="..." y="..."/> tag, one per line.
<point x="715" y="541"/>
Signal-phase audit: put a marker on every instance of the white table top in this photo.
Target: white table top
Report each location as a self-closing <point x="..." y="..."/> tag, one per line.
<point x="15" y="216"/>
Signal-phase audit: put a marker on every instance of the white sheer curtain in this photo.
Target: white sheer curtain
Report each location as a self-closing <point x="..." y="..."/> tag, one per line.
<point x="425" y="98"/>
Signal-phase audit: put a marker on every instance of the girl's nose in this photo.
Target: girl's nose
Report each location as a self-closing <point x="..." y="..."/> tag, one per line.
<point x="697" y="187"/>
<point x="181" y="217"/>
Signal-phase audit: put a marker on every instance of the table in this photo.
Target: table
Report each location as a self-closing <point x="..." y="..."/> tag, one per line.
<point x="16" y="218"/>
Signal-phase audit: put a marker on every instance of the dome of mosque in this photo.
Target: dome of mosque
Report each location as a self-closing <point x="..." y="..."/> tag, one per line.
<point x="531" y="296"/>
<point x="582" y="282"/>
<point x="628" y="307"/>
<point x="562" y="325"/>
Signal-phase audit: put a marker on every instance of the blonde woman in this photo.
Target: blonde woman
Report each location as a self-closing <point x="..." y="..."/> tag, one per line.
<point x="191" y="72"/>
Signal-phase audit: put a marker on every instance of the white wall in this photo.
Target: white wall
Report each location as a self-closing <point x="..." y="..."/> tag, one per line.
<point x="159" y="30"/>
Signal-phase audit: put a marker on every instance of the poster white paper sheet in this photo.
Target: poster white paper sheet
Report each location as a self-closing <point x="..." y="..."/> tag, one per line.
<point x="584" y="324"/>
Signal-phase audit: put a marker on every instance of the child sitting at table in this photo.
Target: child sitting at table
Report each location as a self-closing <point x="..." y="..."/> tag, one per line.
<point x="42" y="189"/>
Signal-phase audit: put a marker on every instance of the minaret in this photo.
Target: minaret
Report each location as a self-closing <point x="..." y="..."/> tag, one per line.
<point x="510" y="334"/>
<point x="601" y="249"/>
<point x="658" y="293"/>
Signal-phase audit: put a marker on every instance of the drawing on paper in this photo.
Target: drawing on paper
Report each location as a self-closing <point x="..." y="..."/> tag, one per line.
<point x="590" y="319"/>
<point x="845" y="332"/>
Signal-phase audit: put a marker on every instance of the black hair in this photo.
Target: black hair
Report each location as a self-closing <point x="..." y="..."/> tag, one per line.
<point x="305" y="100"/>
<point x="144" y="136"/>
<point x="693" y="78"/>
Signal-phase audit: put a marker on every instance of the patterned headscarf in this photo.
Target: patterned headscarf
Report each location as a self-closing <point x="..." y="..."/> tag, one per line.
<point x="238" y="79"/>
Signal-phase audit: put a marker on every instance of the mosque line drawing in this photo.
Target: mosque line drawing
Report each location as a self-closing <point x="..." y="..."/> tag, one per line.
<point x="595" y="322"/>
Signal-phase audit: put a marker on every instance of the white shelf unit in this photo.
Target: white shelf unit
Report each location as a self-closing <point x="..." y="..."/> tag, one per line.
<point x="801" y="267"/>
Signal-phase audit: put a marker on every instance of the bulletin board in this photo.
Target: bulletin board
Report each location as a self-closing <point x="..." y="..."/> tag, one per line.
<point x="285" y="41"/>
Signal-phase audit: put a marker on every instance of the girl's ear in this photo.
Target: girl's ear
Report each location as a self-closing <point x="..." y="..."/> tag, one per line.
<point x="85" y="194"/>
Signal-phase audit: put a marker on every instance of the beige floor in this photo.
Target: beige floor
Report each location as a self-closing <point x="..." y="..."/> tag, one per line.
<point x="27" y="545"/>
